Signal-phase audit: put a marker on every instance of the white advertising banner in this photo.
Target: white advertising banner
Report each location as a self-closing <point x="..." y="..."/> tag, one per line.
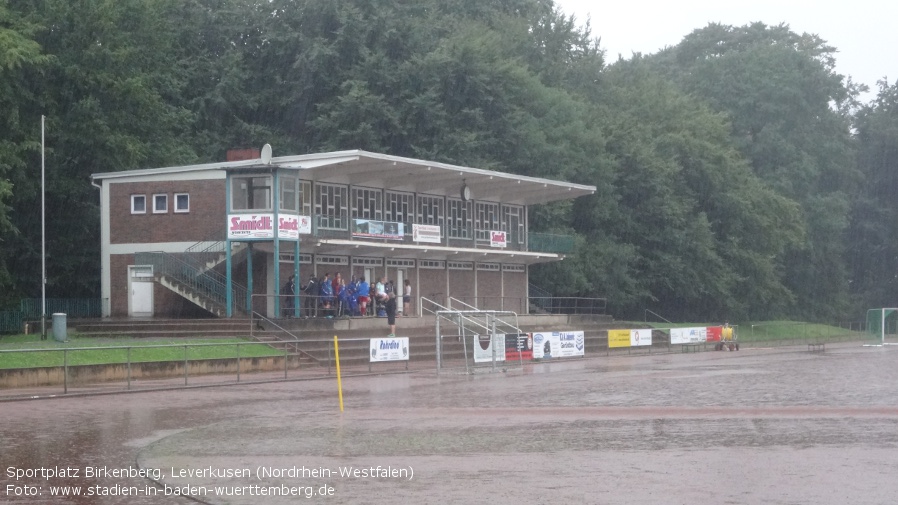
<point x="484" y="345"/>
<point x="250" y="226"/>
<point x="291" y="227"/>
<point x="389" y="349"/>
<point x="571" y="343"/>
<point x="497" y="239"/>
<point x="640" y="337"/>
<point x="429" y="233"/>
<point x="262" y="226"/>
<point x="558" y="344"/>
<point x="688" y="335"/>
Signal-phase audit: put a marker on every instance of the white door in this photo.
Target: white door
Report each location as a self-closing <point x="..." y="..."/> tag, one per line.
<point x="140" y="283"/>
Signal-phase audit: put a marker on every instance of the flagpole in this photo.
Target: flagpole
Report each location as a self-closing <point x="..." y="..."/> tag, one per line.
<point x="43" y="243"/>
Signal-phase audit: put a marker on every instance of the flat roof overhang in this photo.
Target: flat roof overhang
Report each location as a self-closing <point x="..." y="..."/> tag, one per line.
<point x="395" y="173"/>
<point x="436" y="252"/>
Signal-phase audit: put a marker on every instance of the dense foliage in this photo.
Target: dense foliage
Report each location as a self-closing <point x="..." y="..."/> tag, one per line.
<point x="737" y="175"/>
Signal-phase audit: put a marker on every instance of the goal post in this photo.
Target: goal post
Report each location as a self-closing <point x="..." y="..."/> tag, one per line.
<point x="882" y="325"/>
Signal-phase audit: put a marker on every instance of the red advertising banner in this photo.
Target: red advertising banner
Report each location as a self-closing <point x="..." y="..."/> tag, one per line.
<point x="714" y="333"/>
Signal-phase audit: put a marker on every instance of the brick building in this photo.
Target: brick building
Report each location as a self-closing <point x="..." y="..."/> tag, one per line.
<point x="201" y="240"/>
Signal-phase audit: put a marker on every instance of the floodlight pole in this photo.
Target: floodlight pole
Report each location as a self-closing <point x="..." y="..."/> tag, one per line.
<point x="43" y="243"/>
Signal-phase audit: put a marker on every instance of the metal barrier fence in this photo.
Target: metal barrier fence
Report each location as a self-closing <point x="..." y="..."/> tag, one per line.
<point x="13" y="321"/>
<point x="162" y="376"/>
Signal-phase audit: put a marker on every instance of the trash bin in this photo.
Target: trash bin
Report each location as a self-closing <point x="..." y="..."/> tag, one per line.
<point x="59" y="329"/>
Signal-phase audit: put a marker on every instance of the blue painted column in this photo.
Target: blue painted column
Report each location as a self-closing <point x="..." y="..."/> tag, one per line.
<point x="296" y="312"/>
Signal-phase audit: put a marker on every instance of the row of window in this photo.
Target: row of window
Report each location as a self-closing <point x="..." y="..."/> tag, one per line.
<point x="336" y="203"/>
<point x="160" y="203"/>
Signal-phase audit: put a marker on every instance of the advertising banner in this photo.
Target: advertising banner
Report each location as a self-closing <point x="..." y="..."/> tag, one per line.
<point x="291" y="227"/>
<point x="571" y="343"/>
<point x="518" y="346"/>
<point x="261" y="226"/>
<point x="484" y="345"/>
<point x="714" y="333"/>
<point x="250" y="226"/>
<point x="377" y="229"/>
<point x="688" y="335"/>
<point x="558" y="344"/>
<point x="389" y="349"/>
<point x="640" y="337"/>
<point x="618" y="338"/>
<point x="546" y="345"/>
<point x="629" y="338"/>
<point x="429" y="233"/>
<point x="497" y="239"/>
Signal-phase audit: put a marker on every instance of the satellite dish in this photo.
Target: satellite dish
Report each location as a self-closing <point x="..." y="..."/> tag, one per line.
<point x="266" y="154"/>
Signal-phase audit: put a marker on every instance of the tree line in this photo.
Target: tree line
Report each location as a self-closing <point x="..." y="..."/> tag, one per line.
<point x="738" y="175"/>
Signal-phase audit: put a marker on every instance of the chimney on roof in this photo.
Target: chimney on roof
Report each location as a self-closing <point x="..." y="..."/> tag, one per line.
<point x="243" y="154"/>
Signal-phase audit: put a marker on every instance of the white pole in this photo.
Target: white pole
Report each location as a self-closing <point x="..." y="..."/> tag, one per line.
<point x="43" y="243"/>
<point x="882" y="326"/>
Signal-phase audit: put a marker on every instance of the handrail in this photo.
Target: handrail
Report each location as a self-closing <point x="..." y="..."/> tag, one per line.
<point x="209" y="283"/>
<point x="442" y="308"/>
<point x="659" y="316"/>
<point x="502" y="321"/>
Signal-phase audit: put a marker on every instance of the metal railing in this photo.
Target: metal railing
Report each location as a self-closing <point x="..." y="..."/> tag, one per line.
<point x="501" y="324"/>
<point x="208" y="284"/>
<point x="129" y="362"/>
<point x="570" y="305"/>
<point x="550" y="243"/>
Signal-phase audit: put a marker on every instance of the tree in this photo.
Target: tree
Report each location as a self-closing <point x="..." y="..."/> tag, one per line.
<point x="784" y="100"/>
<point x="873" y="255"/>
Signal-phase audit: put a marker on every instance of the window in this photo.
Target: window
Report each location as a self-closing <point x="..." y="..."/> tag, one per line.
<point x="430" y="210"/>
<point x="160" y="204"/>
<point x="459" y="219"/>
<point x="289" y="194"/>
<point x="182" y="202"/>
<point x="367" y="203"/>
<point x="513" y="223"/>
<point x="432" y="264"/>
<point x="461" y="265"/>
<point x="331" y="206"/>
<point x="400" y="207"/>
<point x="296" y="196"/>
<point x="138" y="204"/>
<point x="251" y="193"/>
<point x="486" y="219"/>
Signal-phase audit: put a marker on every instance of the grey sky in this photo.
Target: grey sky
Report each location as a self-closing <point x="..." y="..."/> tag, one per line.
<point x="865" y="32"/>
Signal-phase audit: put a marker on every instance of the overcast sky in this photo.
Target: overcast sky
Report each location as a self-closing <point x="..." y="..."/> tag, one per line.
<point x="865" y="32"/>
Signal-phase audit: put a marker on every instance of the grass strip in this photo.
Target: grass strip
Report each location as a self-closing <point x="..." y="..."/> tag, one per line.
<point x="32" y="353"/>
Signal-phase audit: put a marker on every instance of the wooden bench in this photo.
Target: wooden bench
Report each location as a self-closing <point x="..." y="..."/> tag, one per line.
<point x="816" y="347"/>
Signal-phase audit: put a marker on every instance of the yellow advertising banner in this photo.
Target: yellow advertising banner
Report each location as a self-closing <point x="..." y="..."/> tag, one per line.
<point x="618" y="338"/>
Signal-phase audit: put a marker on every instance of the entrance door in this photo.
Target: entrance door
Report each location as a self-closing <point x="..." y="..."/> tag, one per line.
<point x="140" y="288"/>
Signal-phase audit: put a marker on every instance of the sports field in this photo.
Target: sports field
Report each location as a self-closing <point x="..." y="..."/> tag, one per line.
<point x="755" y="426"/>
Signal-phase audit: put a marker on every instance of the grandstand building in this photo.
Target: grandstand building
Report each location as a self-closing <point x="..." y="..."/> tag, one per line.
<point x="221" y="238"/>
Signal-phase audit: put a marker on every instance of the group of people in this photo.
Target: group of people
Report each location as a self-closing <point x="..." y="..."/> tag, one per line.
<point x="335" y="297"/>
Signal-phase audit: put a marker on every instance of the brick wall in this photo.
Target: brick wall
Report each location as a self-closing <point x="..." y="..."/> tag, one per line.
<point x="204" y="221"/>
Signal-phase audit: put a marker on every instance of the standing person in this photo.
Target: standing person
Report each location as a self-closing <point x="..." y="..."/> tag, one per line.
<point x="391" y="312"/>
<point x="364" y="291"/>
<point x="326" y="291"/>
<point x="380" y="295"/>
<point x="290" y="292"/>
<point x="406" y="298"/>
<point x="337" y="285"/>
<point x="311" y="301"/>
